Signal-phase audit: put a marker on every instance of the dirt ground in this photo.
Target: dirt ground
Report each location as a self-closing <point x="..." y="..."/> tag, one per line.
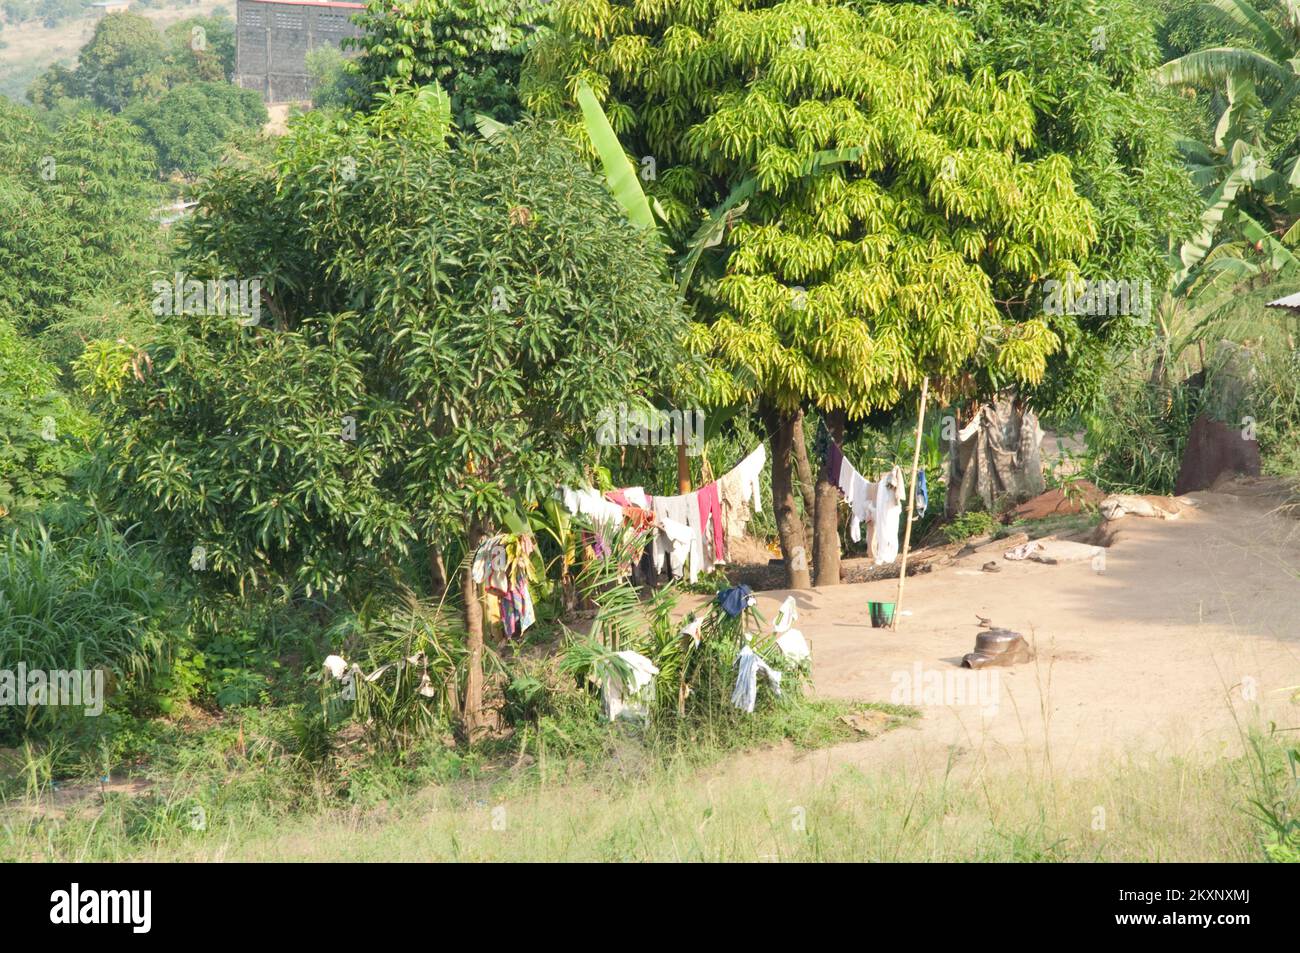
<point x="1187" y="629"/>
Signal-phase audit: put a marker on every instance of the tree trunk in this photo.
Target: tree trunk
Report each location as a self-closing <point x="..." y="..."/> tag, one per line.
<point x="437" y="570"/>
<point x="789" y="527"/>
<point x="683" y="469"/>
<point x="826" y="524"/>
<point x="804" y="469"/>
<point x="472" y="710"/>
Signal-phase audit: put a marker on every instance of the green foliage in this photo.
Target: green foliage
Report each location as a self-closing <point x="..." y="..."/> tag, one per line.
<point x="127" y="61"/>
<point x="122" y="61"/>
<point x="84" y="599"/>
<point x="188" y="125"/>
<point x="200" y="48"/>
<point x="42" y="436"/>
<point x="968" y="524"/>
<point x="333" y="82"/>
<point x="77" y="198"/>
<point x="410" y="659"/>
<point x="469" y="310"/>
<point x="472" y="48"/>
<point x="891" y="209"/>
<point x="1087" y="66"/>
<point x="1136" y="442"/>
<point x="1248" y="167"/>
<point x="53" y="86"/>
<point x="54" y="12"/>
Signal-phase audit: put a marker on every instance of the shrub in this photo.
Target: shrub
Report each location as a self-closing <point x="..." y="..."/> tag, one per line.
<point x="91" y="599"/>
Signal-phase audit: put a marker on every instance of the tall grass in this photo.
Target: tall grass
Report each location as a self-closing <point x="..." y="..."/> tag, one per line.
<point x="1136" y="808"/>
<point x="84" y="601"/>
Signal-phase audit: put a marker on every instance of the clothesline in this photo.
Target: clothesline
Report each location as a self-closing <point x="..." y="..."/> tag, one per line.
<point x="878" y="503"/>
<point x="691" y="530"/>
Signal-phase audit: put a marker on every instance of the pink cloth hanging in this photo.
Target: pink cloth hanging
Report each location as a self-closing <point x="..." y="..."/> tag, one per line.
<point x="711" y="511"/>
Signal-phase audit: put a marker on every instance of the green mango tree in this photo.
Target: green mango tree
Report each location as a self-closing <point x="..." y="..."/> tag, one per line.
<point x="892" y="228"/>
<point x="440" y="331"/>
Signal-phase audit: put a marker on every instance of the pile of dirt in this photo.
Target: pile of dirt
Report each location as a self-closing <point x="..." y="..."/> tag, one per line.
<point x="1074" y="497"/>
<point x="1213" y="450"/>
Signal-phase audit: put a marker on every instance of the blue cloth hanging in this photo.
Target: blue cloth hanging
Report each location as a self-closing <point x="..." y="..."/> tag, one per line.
<point x="734" y="601"/>
<point x="922" y="495"/>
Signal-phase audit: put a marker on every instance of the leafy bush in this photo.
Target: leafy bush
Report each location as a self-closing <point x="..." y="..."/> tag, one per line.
<point x="41" y="434"/>
<point x="90" y="599"/>
<point x="968" y="524"/>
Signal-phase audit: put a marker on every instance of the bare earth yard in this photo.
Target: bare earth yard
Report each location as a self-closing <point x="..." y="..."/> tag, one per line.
<point x="1191" y="629"/>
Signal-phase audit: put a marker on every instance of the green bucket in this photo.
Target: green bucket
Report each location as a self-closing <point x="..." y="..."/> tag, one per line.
<point x="882" y="614"/>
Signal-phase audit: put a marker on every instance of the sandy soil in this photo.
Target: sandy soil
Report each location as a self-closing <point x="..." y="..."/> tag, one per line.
<point x="1191" y="628"/>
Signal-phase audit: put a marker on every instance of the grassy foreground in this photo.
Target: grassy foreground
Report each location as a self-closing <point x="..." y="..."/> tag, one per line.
<point x="745" y="808"/>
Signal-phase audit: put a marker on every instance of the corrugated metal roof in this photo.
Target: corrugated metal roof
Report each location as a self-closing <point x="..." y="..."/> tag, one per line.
<point x="1290" y="301"/>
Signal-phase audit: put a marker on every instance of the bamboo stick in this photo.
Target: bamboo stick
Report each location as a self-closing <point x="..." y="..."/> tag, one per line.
<point x="911" y="503"/>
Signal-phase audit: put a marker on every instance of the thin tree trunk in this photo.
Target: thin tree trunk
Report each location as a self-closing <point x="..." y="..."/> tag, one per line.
<point x="472" y="711"/>
<point x="437" y="570"/>
<point x="683" y="469"/>
<point x="789" y="527"/>
<point x="826" y="523"/>
<point x="804" y="469"/>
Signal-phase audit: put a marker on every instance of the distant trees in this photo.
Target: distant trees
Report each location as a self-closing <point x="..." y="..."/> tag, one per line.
<point x="122" y="62"/>
<point x="334" y="82"/>
<point x="187" y="126"/>
<point x="127" y="59"/>
<point x="171" y="85"/>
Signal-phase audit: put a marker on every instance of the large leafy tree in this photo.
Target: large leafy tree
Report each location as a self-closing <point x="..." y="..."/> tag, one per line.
<point x="890" y="214"/>
<point x="122" y="61"/>
<point x="471" y="48"/>
<point x="442" y="330"/>
<point x="1087" y="65"/>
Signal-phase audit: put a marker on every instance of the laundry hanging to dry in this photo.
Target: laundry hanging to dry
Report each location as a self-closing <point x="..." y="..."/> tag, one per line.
<point x="691" y="532"/>
<point x="500" y="566"/>
<point x="877" y="503"/>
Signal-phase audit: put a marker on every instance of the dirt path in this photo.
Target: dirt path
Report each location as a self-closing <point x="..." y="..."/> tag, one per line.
<point x="1193" y="624"/>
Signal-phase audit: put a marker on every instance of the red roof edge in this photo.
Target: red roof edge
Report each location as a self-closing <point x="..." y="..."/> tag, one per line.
<point x="312" y="3"/>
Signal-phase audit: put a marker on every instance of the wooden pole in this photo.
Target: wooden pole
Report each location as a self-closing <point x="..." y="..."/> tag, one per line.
<point x="911" y="502"/>
<point x="683" y="469"/>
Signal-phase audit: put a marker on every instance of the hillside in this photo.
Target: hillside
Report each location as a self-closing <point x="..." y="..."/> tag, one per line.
<point x="32" y="48"/>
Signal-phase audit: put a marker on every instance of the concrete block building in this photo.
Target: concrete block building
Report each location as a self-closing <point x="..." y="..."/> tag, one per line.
<point x="272" y="38"/>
